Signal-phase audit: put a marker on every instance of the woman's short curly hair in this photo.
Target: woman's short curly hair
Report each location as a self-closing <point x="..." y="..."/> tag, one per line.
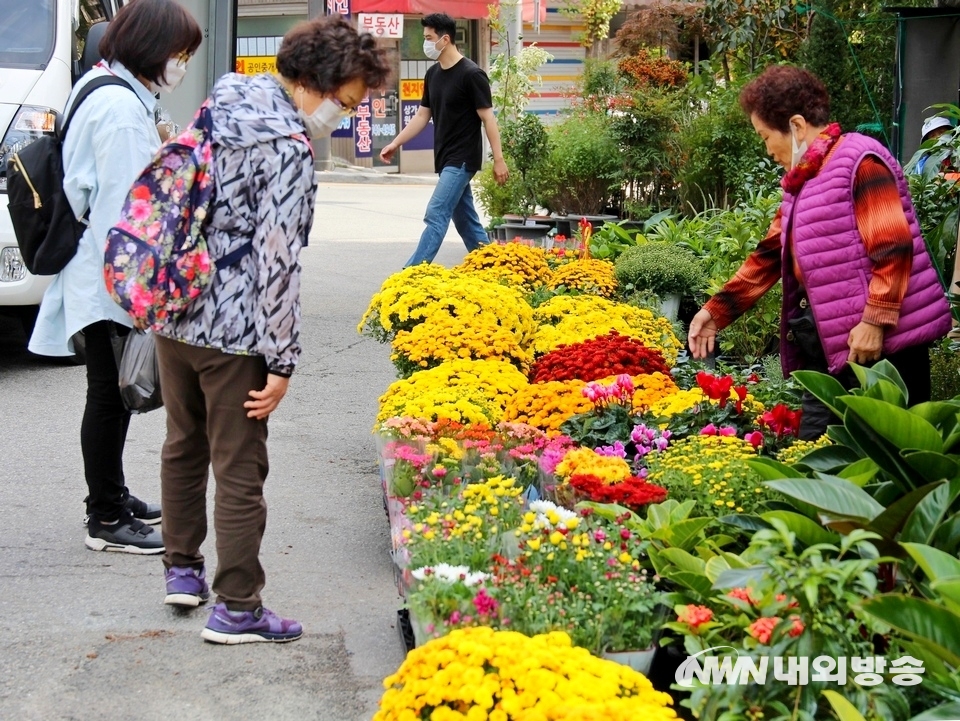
<point x="782" y="91"/>
<point x="325" y="53"/>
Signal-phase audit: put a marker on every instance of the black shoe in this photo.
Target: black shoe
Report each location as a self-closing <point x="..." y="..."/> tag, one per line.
<point x="128" y="535"/>
<point x="144" y="512"/>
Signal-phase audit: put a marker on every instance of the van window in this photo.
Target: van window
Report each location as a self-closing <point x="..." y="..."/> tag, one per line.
<point x="27" y="33"/>
<point x="91" y="12"/>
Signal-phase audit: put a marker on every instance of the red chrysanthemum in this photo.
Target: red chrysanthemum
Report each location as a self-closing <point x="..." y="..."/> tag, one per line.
<point x="607" y="355"/>
<point x="634" y="492"/>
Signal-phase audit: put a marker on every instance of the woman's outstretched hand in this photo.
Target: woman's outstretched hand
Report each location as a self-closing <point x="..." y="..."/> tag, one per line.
<point x="703" y="334"/>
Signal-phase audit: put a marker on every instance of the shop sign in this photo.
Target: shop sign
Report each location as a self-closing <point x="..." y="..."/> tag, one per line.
<point x="256" y="65"/>
<point x="381" y="26"/>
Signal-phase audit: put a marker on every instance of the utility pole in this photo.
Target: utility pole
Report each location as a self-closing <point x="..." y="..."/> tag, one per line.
<point x="321" y="146"/>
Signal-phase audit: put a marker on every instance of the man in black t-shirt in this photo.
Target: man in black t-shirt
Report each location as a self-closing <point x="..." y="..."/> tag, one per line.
<point x="456" y="94"/>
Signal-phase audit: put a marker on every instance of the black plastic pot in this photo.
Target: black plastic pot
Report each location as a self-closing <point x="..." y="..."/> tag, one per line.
<point x="522" y="230"/>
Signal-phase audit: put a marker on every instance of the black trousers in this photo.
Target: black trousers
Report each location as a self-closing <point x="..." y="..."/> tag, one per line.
<point x="103" y="431"/>
<point x="913" y="364"/>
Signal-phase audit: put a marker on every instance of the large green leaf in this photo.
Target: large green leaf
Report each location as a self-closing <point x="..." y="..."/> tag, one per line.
<point x="845" y="710"/>
<point x="829" y="459"/>
<point x="881" y="451"/>
<point x="807" y="531"/>
<point x="837" y="497"/>
<point x="889" y="523"/>
<point x="696" y="582"/>
<point x="884" y="390"/>
<point x="949" y="591"/>
<point x="771" y="470"/>
<point x="944" y="712"/>
<point x="740" y="577"/>
<point x="882" y="372"/>
<point x="825" y="388"/>
<point x="939" y="414"/>
<point x="926" y="622"/>
<point x="927" y="517"/>
<point x="932" y="465"/>
<point x="934" y="562"/>
<point x="860" y="472"/>
<point x="683" y="560"/>
<point x="897" y="425"/>
<point x="841" y="436"/>
<point x="745" y="521"/>
<point x="716" y="566"/>
<point x="682" y="534"/>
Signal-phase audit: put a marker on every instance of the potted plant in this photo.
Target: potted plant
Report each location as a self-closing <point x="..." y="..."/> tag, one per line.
<point x="633" y="626"/>
<point x="661" y="268"/>
<point x="440" y="597"/>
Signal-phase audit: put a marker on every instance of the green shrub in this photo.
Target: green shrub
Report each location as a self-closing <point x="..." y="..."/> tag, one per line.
<point x="722" y="158"/>
<point x="583" y="164"/>
<point x="525" y="143"/>
<point x="945" y="371"/>
<point x="659" y="268"/>
<point x="498" y="200"/>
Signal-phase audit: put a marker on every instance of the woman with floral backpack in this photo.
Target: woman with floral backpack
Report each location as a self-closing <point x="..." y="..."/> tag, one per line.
<point x="226" y="360"/>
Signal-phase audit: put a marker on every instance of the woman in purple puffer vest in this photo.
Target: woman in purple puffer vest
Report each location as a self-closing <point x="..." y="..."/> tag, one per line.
<point x="858" y="284"/>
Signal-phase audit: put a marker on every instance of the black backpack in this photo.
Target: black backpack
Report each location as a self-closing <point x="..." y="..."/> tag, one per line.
<point x="48" y="232"/>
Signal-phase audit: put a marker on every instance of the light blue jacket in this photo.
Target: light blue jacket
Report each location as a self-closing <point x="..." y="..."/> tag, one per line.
<point x="111" y="139"/>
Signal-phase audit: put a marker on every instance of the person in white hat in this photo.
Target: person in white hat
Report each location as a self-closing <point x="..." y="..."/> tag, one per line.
<point x="933" y="127"/>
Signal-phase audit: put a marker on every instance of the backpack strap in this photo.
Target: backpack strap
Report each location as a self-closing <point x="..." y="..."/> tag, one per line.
<point x="94" y="84"/>
<point x="234" y="255"/>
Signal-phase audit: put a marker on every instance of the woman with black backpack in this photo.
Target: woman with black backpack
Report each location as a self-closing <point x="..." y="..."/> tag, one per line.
<point x="112" y="136"/>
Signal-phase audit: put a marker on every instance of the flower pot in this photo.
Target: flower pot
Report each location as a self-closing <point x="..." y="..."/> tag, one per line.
<point x="527" y="232"/>
<point x="596" y="221"/>
<point x="640" y="661"/>
<point x="492" y="234"/>
<point x="670" y="305"/>
<point x="422" y="629"/>
<point x="500" y="232"/>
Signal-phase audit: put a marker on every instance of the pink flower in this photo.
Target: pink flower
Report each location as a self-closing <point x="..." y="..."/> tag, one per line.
<point x="486" y="605"/>
<point x="454" y="618"/>
<point x="728" y="431"/>
<point x="755" y="439"/>
<point x="141" y="210"/>
<point x="708" y="430"/>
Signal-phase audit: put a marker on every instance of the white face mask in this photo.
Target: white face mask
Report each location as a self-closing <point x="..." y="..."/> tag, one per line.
<point x="798" y="150"/>
<point x="173" y="75"/>
<point x="322" y="121"/>
<point x="430" y="50"/>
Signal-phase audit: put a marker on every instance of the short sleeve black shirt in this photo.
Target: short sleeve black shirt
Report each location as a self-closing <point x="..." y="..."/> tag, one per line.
<point x="453" y="97"/>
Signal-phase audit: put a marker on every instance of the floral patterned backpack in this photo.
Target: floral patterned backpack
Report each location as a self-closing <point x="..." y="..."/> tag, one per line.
<point x="156" y="261"/>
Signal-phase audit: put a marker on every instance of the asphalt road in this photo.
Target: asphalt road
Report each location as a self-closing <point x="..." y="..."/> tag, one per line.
<point x="86" y="634"/>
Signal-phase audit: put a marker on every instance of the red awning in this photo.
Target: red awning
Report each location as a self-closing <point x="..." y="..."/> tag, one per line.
<point x="457" y="9"/>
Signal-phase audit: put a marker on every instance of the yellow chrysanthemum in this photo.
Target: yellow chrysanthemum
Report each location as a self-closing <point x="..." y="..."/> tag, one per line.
<point x="478" y="673"/>
<point x="466" y="391"/>
<point x="589" y="275"/>
<point x="567" y="319"/>
<point x="547" y="405"/>
<point x="513" y="263"/>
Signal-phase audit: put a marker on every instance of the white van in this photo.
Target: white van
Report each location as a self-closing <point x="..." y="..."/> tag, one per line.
<point x="41" y="48"/>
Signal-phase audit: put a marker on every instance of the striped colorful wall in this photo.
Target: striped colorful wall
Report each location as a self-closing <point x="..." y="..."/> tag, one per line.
<point x="558" y="37"/>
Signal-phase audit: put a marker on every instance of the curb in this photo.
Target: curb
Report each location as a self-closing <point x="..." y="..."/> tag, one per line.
<point x="374" y="177"/>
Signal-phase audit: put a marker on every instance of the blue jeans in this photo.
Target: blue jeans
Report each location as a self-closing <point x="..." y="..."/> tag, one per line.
<point x="451" y="200"/>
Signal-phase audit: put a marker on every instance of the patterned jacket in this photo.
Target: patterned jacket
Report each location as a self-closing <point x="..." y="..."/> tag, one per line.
<point x="265" y="190"/>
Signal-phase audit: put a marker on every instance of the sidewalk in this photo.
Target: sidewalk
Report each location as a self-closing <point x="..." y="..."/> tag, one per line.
<point x="358" y="174"/>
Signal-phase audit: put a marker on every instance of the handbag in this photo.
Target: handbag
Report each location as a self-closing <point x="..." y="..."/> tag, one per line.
<point x="139" y="371"/>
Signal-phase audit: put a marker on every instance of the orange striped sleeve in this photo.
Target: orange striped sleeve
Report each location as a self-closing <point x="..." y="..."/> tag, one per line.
<point x="758" y="274"/>
<point x="886" y="238"/>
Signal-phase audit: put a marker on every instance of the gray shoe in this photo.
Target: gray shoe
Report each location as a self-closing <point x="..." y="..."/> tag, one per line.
<point x="127" y="536"/>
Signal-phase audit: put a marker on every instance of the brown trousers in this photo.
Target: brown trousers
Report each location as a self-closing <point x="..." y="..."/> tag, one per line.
<point x="204" y="391"/>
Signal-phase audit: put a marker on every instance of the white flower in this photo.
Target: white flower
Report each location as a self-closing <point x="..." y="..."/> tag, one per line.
<point x="450" y="574"/>
<point x="546" y="511"/>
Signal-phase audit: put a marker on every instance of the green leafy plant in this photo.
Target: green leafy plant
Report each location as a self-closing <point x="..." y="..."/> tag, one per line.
<point x="660" y="268"/>
<point x="583" y="164"/>
<point x="525" y="141"/>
